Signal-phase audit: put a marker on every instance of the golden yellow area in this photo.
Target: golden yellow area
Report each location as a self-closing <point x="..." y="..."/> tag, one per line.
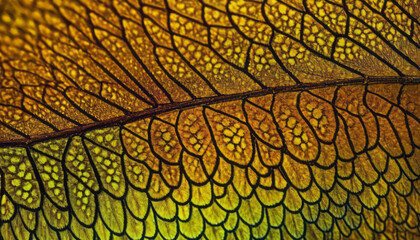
<point x="71" y="63"/>
<point x="284" y="151"/>
<point x="304" y="164"/>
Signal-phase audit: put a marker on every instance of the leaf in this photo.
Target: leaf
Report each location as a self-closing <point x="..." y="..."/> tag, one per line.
<point x="215" y="119"/>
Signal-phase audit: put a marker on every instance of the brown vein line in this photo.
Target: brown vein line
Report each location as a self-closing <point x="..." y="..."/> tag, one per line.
<point x="121" y="120"/>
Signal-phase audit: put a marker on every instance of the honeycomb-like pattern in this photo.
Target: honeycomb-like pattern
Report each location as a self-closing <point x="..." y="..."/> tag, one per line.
<point x="103" y="60"/>
<point x="190" y="119"/>
<point x="19" y="177"/>
<point x="52" y="176"/>
<point x="331" y="159"/>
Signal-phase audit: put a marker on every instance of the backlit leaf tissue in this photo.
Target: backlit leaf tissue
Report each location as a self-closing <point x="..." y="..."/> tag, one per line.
<point x="209" y="119"/>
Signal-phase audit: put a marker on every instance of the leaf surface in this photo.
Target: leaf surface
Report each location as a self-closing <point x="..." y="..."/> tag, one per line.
<point x="214" y="119"/>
